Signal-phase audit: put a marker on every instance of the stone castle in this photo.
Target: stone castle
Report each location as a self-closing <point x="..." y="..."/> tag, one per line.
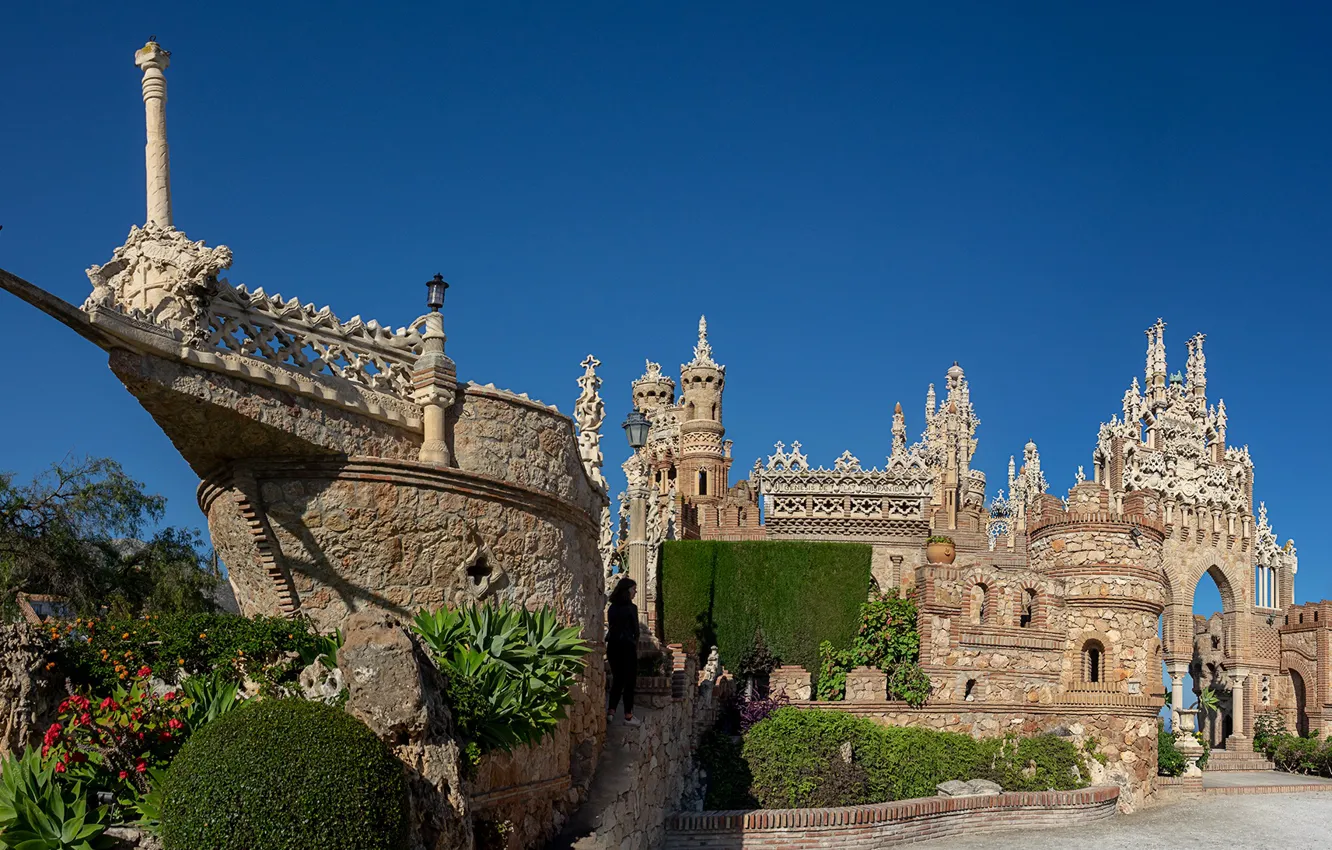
<point x="346" y="466"/>
<point x="1056" y="610"/>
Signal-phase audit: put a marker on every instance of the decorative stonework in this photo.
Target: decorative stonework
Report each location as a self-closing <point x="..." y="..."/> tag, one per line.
<point x="589" y="414"/>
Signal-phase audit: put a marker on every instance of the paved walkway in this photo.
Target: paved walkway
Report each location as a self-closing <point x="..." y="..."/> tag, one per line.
<point x="1256" y="822"/>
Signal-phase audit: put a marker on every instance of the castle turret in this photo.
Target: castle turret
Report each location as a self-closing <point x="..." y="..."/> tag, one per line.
<point x="653" y="391"/>
<point x="703" y="462"/>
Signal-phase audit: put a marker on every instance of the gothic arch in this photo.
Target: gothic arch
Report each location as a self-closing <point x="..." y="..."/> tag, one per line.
<point x="1181" y="585"/>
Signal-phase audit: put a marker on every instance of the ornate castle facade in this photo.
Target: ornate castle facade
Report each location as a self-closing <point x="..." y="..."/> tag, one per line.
<point x="1057" y="610"/>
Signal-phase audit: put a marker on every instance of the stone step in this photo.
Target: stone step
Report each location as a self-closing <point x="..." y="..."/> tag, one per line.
<point x="1221" y="761"/>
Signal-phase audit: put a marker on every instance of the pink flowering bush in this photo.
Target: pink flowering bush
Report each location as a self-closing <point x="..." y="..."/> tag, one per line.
<point x="113" y="743"/>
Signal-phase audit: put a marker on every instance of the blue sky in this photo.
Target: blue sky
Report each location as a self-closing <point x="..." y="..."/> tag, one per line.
<point x="855" y="197"/>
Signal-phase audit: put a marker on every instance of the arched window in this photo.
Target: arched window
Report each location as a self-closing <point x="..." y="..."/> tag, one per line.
<point x="1028" y="614"/>
<point x="979" y="594"/>
<point x="971" y="686"/>
<point x="702" y="482"/>
<point x="1093" y="662"/>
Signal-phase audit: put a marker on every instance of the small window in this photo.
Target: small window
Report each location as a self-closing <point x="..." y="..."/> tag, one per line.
<point x="1028" y="614"/>
<point x="971" y="686"/>
<point x="702" y="482"/>
<point x="1093" y="662"/>
<point x="979" y="600"/>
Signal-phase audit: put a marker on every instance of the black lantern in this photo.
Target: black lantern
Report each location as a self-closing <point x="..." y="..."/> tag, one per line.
<point x="636" y="429"/>
<point x="435" y="292"/>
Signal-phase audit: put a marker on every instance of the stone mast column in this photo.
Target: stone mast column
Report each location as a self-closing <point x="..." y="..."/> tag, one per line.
<point x="154" y="60"/>
<point x="636" y="474"/>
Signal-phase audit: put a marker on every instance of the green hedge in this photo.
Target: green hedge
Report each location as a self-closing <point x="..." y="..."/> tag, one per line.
<point x="800" y="594"/>
<point x="285" y="774"/>
<point x="795" y="759"/>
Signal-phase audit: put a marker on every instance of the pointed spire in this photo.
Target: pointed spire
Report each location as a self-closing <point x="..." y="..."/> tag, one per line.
<point x="702" y="349"/>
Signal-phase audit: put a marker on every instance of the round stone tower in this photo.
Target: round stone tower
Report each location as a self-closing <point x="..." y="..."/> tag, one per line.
<point x="703" y="461"/>
<point x="654" y="390"/>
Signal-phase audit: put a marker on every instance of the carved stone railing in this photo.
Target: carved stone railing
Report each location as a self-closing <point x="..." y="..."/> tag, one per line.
<point x="309" y="339"/>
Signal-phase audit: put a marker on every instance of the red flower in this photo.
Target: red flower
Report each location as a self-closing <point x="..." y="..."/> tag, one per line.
<point x="165" y="735"/>
<point x="85" y="719"/>
<point x="80" y="701"/>
<point x="169" y="696"/>
<point x="64" y="706"/>
<point x="46" y="748"/>
<point x="124" y="774"/>
<point x="52" y="734"/>
<point x="175" y="724"/>
<point x="60" y="767"/>
<point x="141" y="766"/>
<point x="109" y="704"/>
<point x="145" y="671"/>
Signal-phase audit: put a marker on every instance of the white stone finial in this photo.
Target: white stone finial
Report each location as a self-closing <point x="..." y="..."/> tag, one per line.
<point x="154" y="60"/>
<point x="702" y="349"/>
<point x="589" y="413"/>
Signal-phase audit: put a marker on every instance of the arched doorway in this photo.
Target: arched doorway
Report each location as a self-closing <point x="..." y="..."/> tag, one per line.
<point x="1212" y="641"/>
<point x="1301" y="708"/>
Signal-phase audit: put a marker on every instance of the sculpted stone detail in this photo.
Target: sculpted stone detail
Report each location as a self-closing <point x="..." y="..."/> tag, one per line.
<point x="589" y="413"/>
<point x="160" y="276"/>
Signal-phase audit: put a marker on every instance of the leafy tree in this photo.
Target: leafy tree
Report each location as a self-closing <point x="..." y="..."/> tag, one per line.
<point x="76" y="531"/>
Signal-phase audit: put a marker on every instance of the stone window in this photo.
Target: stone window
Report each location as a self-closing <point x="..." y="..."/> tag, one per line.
<point x="971" y="686"/>
<point x="1028" y="614"/>
<point x="1093" y="662"/>
<point x="702" y="482"/>
<point x="979" y="601"/>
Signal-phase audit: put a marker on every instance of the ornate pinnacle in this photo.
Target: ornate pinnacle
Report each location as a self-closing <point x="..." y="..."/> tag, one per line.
<point x="703" y="349"/>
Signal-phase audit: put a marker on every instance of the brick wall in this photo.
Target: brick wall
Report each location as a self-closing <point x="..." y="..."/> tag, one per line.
<point x="887" y="824"/>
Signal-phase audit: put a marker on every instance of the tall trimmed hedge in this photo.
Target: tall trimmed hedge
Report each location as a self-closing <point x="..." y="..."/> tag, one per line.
<point x="800" y="593"/>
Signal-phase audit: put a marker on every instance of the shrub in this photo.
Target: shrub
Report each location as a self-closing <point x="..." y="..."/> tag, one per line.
<point x="509" y="670"/>
<point x="754" y="710"/>
<point x="111" y="744"/>
<point x="718" y="593"/>
<point x="1267" y="727"/>
<point x="888" y="639"/>
<point x="1169" y="760"/>
<point x="102" y="654"/>
<point x="938" y="538"/>
<point x="1301" y="755"/>
<point x="728" y="778"/>
<point x="288" y="774"/>
<point x="799" y="758"/>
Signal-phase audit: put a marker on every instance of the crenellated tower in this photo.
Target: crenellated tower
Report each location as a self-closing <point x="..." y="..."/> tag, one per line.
<point x="703" y="465"/>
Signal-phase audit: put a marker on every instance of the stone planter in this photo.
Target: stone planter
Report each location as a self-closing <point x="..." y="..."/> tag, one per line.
<point x="940" y="553"/>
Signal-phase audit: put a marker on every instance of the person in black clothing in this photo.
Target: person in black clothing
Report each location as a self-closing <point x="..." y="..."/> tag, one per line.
<point x="622" y="649"/>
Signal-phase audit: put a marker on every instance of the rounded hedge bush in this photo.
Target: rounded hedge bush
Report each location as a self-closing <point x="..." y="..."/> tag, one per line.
<point x="284" y="774"/>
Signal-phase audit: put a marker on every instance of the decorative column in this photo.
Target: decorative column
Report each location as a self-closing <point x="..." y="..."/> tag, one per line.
<point x="154" y="60"/>
<point x="1177" y="670"/>
<point x="1237" y="740"/>
<point x="434" y="382"/>
<point x="636" y="474"/>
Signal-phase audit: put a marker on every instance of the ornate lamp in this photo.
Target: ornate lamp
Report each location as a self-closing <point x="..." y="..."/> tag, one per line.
<point x="435" y="288"/>
<point x="636" y="429"/>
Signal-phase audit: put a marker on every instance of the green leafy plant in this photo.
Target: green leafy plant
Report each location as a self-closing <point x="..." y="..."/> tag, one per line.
<point x="101" y="654"/>
<point x="39" y="812"/>
<point x="888" y="640"/>
<point x="284" y="774"/>
<point x="1169" y="760"/>
<point x="1268" y="727"/>
<point x="939" y="538"/>
<point x="509" y="670"/>
<point x="798" y="758"/>
<point x="147" y="807"/>
<point x="112" y="743"/>
<point x="1208" y="700"/>
<point x="208" y="698"/>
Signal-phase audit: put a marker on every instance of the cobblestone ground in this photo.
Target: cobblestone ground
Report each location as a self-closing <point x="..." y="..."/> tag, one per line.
<point x="1254" y="822"/>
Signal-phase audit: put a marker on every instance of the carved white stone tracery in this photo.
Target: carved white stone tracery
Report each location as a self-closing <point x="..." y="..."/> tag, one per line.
<point x="589" y="414"/>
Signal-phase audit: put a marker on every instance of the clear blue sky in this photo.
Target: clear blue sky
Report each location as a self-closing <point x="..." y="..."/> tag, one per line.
<point x="856" y="197"/>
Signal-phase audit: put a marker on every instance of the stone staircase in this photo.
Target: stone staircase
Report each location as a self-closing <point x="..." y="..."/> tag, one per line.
<point x="1237" y="757"/>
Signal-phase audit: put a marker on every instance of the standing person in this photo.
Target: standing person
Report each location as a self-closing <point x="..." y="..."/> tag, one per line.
<point x="622" y="649"/>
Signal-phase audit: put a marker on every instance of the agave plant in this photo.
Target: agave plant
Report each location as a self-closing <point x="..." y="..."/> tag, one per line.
<point x="209" y="697"/>
<point x="38" y="812"/>
<point x="509" y="670"/>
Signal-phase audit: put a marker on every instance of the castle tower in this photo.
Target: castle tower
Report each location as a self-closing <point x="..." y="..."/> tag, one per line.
<point x="704" y="467"/>
<point x="653" y="391"/>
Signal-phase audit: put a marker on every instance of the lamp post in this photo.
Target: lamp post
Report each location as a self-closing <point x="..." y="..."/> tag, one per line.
<point x="636" y="478"/>
<point x="434" y="379"/>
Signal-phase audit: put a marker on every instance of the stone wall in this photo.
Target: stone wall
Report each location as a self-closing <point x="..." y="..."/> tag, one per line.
<point x="889" y="824"/>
